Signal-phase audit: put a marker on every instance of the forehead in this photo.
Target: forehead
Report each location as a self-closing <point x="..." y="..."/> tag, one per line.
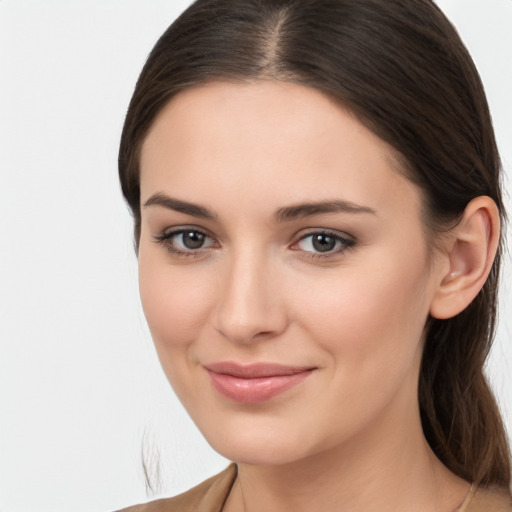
<point x="273" y="140"/>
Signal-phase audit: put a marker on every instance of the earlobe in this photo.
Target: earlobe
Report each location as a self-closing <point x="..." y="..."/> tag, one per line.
<point x="470" y="251"/>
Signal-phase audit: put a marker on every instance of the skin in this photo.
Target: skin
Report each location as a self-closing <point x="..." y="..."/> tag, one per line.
<point x="258" y="291"/>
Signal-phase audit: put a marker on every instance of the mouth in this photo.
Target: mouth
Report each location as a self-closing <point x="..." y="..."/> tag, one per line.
<point x="254" y="383"/>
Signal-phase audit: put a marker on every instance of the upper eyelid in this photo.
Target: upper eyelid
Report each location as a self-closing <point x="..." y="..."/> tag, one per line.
<point x="323" y="231"/>
<point x="326" y="232"/>
<point x="176" y="230"/>
<point x="169" y="231"/>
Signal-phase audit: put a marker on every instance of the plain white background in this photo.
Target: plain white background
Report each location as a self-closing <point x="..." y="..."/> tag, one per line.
<point x="80" y="386"/>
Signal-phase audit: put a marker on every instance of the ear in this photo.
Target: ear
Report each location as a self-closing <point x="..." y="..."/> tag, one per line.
<point x="468" y="255"/>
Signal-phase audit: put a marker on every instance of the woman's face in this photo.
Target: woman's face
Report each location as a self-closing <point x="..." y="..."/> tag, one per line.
<point x="284" y="270"/>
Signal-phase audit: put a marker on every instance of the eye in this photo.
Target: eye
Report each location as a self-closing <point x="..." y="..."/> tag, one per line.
<point x="324" y="243"/>
<point x="185" y="241"/>
<point x="190" y="240"/>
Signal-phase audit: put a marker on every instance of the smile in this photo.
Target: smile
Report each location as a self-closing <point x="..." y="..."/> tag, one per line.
<point x="255" y="383"/>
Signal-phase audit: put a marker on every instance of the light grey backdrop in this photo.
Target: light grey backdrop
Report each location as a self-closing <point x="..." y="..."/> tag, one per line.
<point x="80" y="385"/>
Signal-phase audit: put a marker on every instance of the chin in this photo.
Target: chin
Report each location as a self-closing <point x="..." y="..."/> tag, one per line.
<point x="262" y="443"/>
<point x="258" y="453"/>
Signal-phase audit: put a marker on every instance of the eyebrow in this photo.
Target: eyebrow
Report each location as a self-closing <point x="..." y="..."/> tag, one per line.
<point x="185" y="207"/>
<point x="285" y="214"/>
<point x="298" y="211"/>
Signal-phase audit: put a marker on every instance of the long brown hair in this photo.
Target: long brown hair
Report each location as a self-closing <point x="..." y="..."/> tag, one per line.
<point x="400" y="66"/>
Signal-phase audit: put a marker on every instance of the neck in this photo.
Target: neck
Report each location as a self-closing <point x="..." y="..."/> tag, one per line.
<point x="388" y="467"/>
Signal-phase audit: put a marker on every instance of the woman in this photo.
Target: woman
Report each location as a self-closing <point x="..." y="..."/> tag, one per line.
<point x="316" y="195"/>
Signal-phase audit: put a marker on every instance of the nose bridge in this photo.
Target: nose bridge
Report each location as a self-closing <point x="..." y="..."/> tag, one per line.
<point x="249" y="304"/>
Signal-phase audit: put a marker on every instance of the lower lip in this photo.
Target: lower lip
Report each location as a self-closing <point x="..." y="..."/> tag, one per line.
<point x="255" y="390"/>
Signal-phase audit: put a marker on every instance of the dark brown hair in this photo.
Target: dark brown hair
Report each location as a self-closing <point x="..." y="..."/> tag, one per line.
<point x="399" y="66"/>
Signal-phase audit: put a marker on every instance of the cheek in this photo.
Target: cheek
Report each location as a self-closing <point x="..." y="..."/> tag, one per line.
<point x="369" y="325"/>
<point x="371" y="318"/>
<point x="175" y="302"/>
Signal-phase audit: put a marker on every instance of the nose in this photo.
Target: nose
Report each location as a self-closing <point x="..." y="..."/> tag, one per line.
<point x="250" y="305"/>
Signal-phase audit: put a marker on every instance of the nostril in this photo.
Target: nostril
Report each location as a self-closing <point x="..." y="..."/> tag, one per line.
<point x="254" y="329"/>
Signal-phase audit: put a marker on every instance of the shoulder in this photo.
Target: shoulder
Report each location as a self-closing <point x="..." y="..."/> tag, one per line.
<point x="206" y="497"/>
<point x="492" y="499"/>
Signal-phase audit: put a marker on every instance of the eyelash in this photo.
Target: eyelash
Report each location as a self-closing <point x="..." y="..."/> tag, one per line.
<point x="344" y="243"/>
<point x="165" y="239"/>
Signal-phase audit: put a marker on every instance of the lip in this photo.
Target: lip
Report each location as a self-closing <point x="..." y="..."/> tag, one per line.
<point x="255" y="383"/>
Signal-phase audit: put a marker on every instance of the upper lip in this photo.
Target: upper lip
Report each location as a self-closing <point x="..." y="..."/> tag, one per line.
<point x="255" y="370"/>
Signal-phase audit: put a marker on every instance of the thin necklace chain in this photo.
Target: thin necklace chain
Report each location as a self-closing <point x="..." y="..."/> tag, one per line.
<point x="460" y="508"/>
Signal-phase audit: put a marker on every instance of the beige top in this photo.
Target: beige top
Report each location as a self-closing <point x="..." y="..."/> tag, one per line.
<point x="211" y="495"/>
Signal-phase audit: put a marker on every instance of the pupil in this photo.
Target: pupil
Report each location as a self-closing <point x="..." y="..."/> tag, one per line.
<point x="193" y="240"/>
<point x="323" y="243"/>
